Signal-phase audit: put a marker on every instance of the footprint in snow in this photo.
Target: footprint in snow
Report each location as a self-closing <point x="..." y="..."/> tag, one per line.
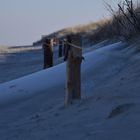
<point x="12" y="86"/>
<point x="120" y="109"/>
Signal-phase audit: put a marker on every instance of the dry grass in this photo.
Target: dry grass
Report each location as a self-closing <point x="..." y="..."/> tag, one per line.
<point x="79" y="29"/>
<point x="125" y="23"/>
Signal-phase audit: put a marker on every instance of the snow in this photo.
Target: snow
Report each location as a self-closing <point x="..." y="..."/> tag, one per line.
<point x="18" y="49"/>
<point x="27" y="86"/>
<point x="32" y="107"/>
<point x="17" y="62"/>
<point x="35" y="83"/>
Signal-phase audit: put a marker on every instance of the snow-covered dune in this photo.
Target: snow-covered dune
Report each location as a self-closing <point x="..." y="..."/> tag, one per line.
<point x="32" y="84"/>
<point x="38" y="82"/>
<point x="109" y="108"/>
<point x="17" y="62"/>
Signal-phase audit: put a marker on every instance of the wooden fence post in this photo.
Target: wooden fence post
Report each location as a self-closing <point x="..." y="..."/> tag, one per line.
<point x="60" y="53"/>
<point x="48" y="53"/>
<point x="73" y="67"/>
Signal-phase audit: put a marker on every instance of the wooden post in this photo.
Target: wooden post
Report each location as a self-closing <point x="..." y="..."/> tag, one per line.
<point x="60" y="48"/>
<point x="74" y="59"/>
<point x="48" y="53"/>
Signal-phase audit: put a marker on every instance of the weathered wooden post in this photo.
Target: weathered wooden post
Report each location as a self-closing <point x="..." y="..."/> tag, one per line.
<point x="60" y="53"/>
<point x="48" y="53"/>
<point x="74" y="59"/>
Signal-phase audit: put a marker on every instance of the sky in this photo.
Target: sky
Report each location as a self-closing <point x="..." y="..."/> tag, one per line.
<point x="24" y="21"/>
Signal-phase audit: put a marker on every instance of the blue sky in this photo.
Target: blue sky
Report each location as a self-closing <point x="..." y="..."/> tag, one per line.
<point x="24" y="21"/>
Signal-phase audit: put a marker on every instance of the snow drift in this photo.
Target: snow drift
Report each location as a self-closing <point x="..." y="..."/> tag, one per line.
<point x="109" y="108"/>
<point x="27" y="86"/>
